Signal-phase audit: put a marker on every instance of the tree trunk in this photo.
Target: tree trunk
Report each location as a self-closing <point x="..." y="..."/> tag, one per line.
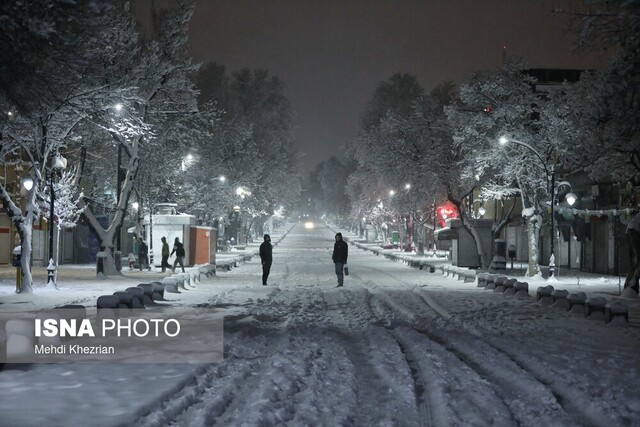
<point x="533" y="233"/>
<point x="420" y="231"/>
<point x="485" y="262"/>
<point x="24" y="225"/>
<point x="26" y="236"/>
<point x="106" y="238"/>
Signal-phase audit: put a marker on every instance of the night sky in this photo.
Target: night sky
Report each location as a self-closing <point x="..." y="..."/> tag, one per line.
<point x="331" y="54"/>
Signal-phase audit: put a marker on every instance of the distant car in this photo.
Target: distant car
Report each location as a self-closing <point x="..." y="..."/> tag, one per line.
<point x="309" y="225"/>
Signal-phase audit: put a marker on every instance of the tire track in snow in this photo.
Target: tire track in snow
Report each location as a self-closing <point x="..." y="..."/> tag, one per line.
<point x="419" y="386"/>
<point x="563" y="399"/>
<point x="512" y="375"/>
<point x="382" y="397"/>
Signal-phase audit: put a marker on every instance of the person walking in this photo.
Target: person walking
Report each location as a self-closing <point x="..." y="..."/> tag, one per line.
<point x="165" y="255"/>
<point x="143" y="254"/>
<point x="339" y="257"/>
<point x="178" y="249"/>
<point x="266" y="256"/>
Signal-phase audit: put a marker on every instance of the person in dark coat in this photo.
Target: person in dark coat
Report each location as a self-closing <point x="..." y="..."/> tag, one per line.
<point x="143" y="254"/>
<point x="266" y="256"/>
<point x="339" y="257"/>
<point x="178" y="249"/>
<point x="165" y="255"/>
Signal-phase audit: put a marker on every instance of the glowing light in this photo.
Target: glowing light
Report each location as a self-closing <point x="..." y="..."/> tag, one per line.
<point x="309" y="225"/>
<point x="571" y="198"/>
<point x="503" y="140"/>
<point x="27" y="183"/>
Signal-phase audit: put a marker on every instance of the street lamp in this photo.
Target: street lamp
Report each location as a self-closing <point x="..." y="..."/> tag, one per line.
<point x="58" y="164"/>
<point x="27" y="183"/>
<point x="481" y="210"/>
<point x="551" y="176"/>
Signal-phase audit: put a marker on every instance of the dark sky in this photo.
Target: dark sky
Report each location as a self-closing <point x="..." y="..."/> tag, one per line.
<point x="331" y="54"/>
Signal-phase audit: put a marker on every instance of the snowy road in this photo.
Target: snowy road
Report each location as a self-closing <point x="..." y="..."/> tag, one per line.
<point x="395" y="346"/>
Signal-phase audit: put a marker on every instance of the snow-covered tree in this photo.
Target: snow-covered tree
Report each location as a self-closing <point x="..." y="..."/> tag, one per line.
<point x="384" y="153"/>
<point x="46" y="93"/>
<point x="156" y="73"/>
<point x="66" y="210"/>
<point x="249" y="126"/>
<point x="607" y="104"/>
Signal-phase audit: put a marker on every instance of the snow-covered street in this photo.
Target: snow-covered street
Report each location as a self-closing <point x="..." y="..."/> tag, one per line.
<point x="395" y="346"/>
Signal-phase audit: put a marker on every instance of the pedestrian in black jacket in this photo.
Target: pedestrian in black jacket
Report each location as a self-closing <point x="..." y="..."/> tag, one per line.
<point x="143" y="254"/>
<point x="178" y="249"/>
<point x="266" y="256"/>
<point x="339" y="257"/>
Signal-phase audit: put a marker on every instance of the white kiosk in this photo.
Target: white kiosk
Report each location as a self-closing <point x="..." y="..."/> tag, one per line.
<point x="168" y="223"/>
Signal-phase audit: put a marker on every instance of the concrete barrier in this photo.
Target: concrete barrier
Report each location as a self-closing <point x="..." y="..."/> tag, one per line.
<point x="499" y="284"/>
<point x="594" y="307"/>
<point x="490" y="278"/>
<point x="497" y="281"/>
<point x="137" y="297"/>
<point x="544" y="294"/>
<point x="179" y="281"/>
<point x="158" y="291"/>
<point x="481" y="279"/>
<point x="577" y="302"/>
<point x="186" y="279"/>
<point x="108" y="301"/>
<point x="171" y="285"/>
<point x="147" y="297"/>
<point x="522" y="289"/>
<point x="560" y="299"/>
<point x="510" y="286"/>
<point x="126" y="299"/>
<point x="616" y="311"/>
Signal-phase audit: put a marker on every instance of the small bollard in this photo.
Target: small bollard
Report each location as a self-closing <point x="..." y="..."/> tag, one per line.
<point x="51" y="273"/>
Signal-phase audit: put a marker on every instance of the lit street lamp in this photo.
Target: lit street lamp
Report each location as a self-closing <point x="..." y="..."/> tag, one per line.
<point x="503" y="140"/>
<point x="27" y="183"/>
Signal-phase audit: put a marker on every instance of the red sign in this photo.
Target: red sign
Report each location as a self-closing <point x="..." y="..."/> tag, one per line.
<point x="446" y="211"/>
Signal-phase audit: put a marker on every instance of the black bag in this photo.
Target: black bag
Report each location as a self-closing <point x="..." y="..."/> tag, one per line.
<point x="346" y="270"/>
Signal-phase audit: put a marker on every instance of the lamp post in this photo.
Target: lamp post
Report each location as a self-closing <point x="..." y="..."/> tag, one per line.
<point x="58" y="164"/>
<point x="551" y="176"/>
